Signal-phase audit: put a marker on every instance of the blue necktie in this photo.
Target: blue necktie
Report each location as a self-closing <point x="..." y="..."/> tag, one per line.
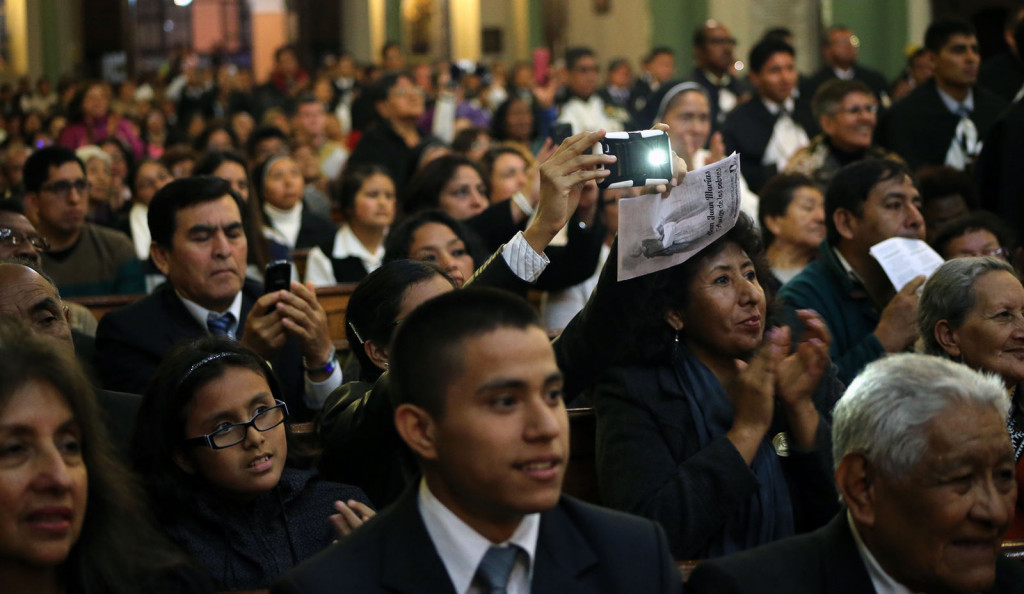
<point x="495" y="569"/>
<point x="220" y="325"/>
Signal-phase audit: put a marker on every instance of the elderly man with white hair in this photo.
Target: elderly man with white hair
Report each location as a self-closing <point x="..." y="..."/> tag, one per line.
<point x="924" y="467"/>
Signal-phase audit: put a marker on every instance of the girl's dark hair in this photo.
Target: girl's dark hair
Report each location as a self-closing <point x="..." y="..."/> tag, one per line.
<point x="775" y="197"/>
<point x="399" y="240"/>
<point x="499" y="124"/>
<point x="259" y="252"/>
<point x="204" y="137"/>
<point x="160" y="424"/>
<point x="106" y="558"/>
<point x="670" y="289"/>
<point x="491" y="157"/>
<point x="424" y="189"/>
<point x="352" y="180"/>
<point x="129" y="157"/>
<point x="375" y="303"/>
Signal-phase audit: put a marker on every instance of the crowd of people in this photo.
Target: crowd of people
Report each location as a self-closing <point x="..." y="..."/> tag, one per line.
<point x="757" y="406"/>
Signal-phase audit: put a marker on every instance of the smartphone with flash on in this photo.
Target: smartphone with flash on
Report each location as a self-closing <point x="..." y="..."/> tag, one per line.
<point x="277" y="277"/>
<point x="643" y="158"/>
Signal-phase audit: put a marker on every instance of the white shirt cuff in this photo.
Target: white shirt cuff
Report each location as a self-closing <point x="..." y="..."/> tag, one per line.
<point x="317" y="392"/>
<point x="523" y="260"/>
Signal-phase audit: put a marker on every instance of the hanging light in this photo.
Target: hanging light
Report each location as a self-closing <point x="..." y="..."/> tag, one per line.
<point x="182" y="2"/>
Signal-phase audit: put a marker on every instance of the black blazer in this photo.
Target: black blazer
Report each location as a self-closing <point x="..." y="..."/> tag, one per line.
<point x="872" y="78"/>
<point x="133" y="340"/>
<point x="748" y="129"/>
<point x="825" y="560"/>
<point x="314" y="230"/>
<point x="920" y="128"/>
<point x="580" y="548"/>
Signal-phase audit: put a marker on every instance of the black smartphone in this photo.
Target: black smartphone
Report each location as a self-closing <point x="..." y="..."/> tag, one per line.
<point x="277" y="277"/>
<point x="644" y="158"/>
<point x="560" y="132"/>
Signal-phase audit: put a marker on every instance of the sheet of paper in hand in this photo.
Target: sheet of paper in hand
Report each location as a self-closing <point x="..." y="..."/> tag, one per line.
<point x="656" y="233"/>
<point x="904" y="259"/>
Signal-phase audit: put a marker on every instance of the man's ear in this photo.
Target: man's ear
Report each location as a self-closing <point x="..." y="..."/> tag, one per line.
<point x="160" y="256"/>
<point x="772" y="223"/>
<point x="31" y="205"/>
<point x="946" y="336"/>
<point x="182" y="461"/>
<point x="856" y="480"/>
<point x="828" y="125"/>
<point x="845" y="222"/>
<point x="377" y="353"/>
<point x="417" y="429"/>
<point x="672" y="318"/>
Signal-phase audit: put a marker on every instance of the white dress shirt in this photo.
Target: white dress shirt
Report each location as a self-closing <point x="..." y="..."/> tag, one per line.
<point x="461" y="548"/>
<point x="320" y="269"/>
<point x="882" y="581"/>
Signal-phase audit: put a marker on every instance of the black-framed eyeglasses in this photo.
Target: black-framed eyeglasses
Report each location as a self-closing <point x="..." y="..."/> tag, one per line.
<point x="10" y="236"/>
<point x="63" y="187"/>
<point x="234" y="434"/>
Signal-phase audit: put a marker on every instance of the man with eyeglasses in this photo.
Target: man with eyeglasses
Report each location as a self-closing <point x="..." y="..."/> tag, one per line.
<point x="847" y="113"/>
<point x="84" y="258"/>
<point x="18" y="238"/>
<point x="394" y="142"/>
<point x="583" y="107"/>
<point x="28" y="295"/>
<point x="839" y="48"/>
<point x="713" y="47"/>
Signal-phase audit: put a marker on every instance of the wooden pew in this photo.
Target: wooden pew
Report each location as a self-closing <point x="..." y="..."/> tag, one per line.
<point x="99" y="305"/>
<point x="299" y="258"/>
<point x="334" y="300"/>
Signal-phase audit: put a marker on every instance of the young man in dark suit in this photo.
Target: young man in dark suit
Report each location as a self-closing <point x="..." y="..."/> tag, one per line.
<point x="199" y="244"/>
<point x="478" y="398"/>
<point x="945" y="120"/>
<point x="924" y="465"/>
<point x="771" y="127"/>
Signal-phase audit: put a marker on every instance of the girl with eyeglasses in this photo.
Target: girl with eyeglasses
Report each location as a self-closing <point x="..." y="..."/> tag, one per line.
<point x="212" y="448"/>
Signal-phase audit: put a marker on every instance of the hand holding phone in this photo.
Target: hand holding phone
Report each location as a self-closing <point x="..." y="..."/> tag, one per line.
<point x="277" y="277"/>
<point x="643" y="158"/>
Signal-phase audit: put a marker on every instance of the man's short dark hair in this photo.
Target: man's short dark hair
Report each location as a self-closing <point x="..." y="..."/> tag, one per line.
<point x="939" y="32"/>
<point x="981" y="220"/>
<point x="851" y="185"/>
<point x="260" y="134"/>
<point x="388" y="45"/>
<point x="777" y="34"/>
<point x="181" y="194"/>
<point x="764" y="50"/>
<point x="659" y="50"/>
<point x="826" y="38"/>
<point x="285" y="49"/>
<point x="615" y="63"/>
<point x="830" y="95"/>
<point x="575" y="54"/>
<point x="37" y="167"/>
<point x="427" y="351"/>
<point x="942" y="181"/>
<point x="382" y="88"/>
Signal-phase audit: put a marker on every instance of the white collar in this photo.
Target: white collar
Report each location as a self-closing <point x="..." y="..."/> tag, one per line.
<point x="842" y="74"/>
<point x="346" y="244"/>
<point x="461" y="548"/>
<point x="201" y="314"/>
<point x="718" y="81"/>
<point x="789" y="105"/>
<point x="138" y="222"/>
<point x="286" y="222"/>
<point x="882" y="581"/>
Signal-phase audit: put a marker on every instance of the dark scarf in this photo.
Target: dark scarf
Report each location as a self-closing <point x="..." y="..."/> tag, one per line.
<point x="769" y="514"/>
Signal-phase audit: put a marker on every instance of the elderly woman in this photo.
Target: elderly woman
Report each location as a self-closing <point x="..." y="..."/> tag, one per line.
<point x="721" y="433"/>
<point x="972" y="311"/>
<point x="792" y="217"/>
